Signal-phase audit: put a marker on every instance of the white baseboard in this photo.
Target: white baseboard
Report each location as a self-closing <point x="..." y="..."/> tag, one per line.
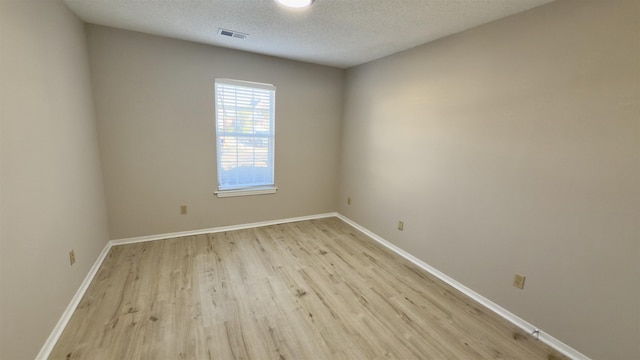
<point x="219" y="229"/>
<point x="66" y="316"/>
<point x="524" y="325"/>
<point x="46" y="349"/>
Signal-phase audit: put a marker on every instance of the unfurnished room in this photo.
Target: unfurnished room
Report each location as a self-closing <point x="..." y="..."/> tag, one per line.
<point x="320" y="179"/>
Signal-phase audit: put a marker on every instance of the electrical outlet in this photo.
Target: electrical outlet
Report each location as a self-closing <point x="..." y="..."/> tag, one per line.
<point x="183" y="209"/>
<point x="518" y="280"/>
<point x="72" y="257"/>
<point x="400" y="225"/>
<point x="348" y="201"/>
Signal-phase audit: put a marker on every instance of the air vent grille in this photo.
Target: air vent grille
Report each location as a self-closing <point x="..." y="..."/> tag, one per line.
<point x="232" y="34"/>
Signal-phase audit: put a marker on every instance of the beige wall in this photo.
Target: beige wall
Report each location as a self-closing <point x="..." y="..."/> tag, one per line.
<point x="510" y="147"/>
<point x="52" y="193"/>
<point x="513" y="147"/>
<point x="155" y="109"/>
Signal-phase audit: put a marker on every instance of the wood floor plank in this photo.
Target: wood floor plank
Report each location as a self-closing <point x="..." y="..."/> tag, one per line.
<point x="315" y="289"/>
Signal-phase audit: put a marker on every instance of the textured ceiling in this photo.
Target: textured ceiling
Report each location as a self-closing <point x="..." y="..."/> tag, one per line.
<point x="340" y="33"/>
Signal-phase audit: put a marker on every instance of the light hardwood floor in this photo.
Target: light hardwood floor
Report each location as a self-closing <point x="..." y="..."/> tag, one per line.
<point x="314" y="289"/>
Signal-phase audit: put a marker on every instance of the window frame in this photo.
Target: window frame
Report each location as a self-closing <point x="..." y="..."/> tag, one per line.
<point x="245" y="189"/>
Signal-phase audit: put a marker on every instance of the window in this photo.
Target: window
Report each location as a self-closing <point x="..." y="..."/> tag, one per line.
<point x="245" y="124"/>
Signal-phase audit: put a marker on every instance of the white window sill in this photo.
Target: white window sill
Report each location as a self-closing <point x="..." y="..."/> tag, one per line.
<point x="246" y="192"/>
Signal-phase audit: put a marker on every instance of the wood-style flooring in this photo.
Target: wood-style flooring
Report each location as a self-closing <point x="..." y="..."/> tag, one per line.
<point x="314" y="289"/>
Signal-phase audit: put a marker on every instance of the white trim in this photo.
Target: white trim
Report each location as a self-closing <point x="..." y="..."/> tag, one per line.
<point x="66" y="316"/>
<point x="47" y="347"/>
<point x="219" y="229"/>
<point x="524" y="325"/>
<point x="45" y="351"/>
<point x="246" y="192"/>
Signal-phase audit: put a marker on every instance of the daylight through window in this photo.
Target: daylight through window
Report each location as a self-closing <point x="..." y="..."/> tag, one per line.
<point x="245" y="124"/>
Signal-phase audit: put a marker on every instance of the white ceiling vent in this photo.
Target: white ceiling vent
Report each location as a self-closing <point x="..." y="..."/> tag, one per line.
<point x="232" y="34"/>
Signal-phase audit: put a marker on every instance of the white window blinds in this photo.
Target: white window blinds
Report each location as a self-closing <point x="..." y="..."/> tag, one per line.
<point x="245" y="124"/>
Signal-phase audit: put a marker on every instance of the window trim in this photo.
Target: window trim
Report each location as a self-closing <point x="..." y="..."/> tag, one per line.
<point x="248" y="190"/>
<point x="262" y="190"/>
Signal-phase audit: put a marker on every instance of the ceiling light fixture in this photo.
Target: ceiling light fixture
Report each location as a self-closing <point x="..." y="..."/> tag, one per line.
<point x="295" y="3"/>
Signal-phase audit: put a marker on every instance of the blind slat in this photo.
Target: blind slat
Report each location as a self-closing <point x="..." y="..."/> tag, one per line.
<point x="245" y="136"/>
